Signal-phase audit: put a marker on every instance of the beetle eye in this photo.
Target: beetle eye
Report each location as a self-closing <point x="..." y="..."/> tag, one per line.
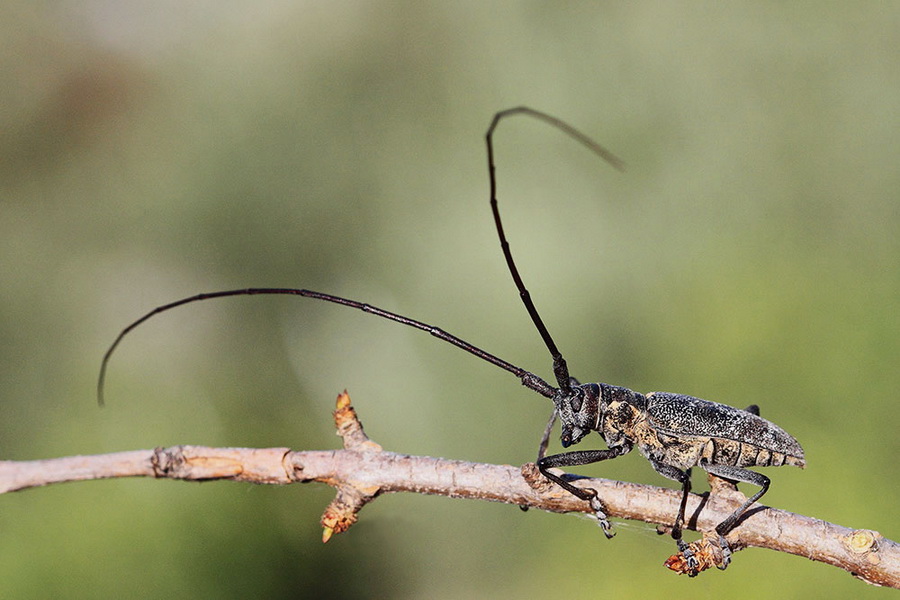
<point x="576" y="402"/>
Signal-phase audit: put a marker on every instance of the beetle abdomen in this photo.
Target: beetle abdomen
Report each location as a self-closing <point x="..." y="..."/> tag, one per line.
<point x="722" y="451"/>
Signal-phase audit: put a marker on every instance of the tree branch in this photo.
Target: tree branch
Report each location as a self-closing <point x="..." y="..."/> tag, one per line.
<point x="362" y="471"/>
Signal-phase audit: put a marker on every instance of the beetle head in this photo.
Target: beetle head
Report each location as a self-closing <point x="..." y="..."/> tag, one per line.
<point x="578" y="412"/>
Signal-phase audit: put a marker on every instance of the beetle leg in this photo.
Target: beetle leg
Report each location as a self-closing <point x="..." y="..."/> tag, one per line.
<point x="753" y="409"/>
<point x="545" y="439"/>
<point x="577" y="458"/>
<point x="742" y="475"/>
<point x="684" y="478"/>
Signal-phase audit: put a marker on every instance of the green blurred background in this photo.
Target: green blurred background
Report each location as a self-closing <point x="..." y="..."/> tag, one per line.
<point x="151" y="151"/>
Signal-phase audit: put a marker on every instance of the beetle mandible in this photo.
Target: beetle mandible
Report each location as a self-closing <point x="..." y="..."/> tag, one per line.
<point x="673" y="431"/>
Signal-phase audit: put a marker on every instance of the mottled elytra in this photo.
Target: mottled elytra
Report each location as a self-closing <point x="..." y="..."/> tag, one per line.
<point x="673" y="431"/>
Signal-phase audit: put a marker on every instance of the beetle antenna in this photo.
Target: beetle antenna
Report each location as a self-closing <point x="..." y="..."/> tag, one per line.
<point x="560" y="369"/>
<point x="529" y="380"/>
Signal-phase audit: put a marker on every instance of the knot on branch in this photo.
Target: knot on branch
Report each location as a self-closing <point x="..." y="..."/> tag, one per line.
<point x="704" y="554"/>
<point x="865" y="542"/>
<point x="166" y="461"/>
<point x="535" y="480"/>
<point x="194" y="463"/>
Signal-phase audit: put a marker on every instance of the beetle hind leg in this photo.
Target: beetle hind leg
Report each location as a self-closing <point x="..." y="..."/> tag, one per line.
<point x="740" y="475"/>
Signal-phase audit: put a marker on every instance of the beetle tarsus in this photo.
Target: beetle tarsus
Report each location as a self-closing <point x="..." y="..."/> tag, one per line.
<point x="726" y="554"/>
<point x="601" y="516"/>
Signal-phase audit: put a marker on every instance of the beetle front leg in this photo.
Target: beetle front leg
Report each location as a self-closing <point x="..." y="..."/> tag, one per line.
<point x="545" y="439"/>
<point x="589" y="495"/>
<point x="548" y="430"/>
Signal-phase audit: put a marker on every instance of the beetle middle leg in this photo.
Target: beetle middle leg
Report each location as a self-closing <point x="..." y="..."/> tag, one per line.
<point x="577" y="458"/>
<point x="741" y="475"/>
<point x="684" y="478"/>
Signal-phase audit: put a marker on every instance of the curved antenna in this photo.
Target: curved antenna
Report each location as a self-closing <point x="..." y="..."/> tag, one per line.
<point x="560" y="369"/>
<point x="529" y="380"/>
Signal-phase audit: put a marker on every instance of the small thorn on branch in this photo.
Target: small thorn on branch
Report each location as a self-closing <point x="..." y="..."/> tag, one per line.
<point x="341" y="513"/>
<point x="350" y="428"/>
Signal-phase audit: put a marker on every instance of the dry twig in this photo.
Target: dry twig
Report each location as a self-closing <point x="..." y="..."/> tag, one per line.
<point x="362" y="471"/>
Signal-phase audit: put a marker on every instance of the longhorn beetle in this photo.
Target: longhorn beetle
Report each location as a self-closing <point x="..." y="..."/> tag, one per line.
<point x="673" y="431"/>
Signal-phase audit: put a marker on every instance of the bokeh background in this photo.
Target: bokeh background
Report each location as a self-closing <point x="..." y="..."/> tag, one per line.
<point x="150" y="151"/>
